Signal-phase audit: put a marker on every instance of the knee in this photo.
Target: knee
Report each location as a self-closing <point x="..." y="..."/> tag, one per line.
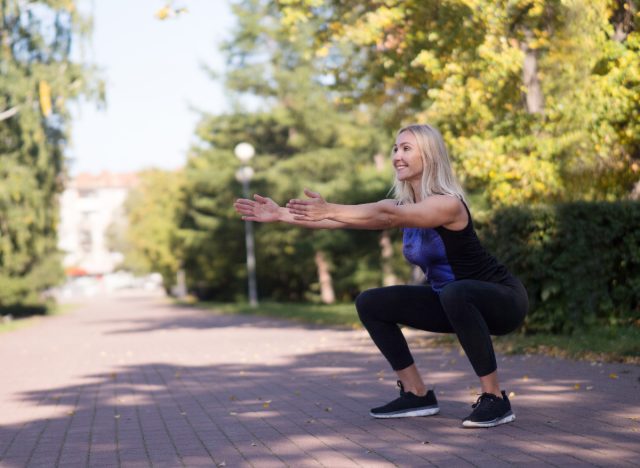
<point x="366" y="304"/>
<point x="453" y="298"/>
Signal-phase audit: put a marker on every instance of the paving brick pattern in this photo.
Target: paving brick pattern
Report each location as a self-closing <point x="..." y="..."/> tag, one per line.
<point x="133" y="381"/>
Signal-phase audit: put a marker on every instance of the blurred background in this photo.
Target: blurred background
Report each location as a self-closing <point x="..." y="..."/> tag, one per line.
<point x="120" y="124"/>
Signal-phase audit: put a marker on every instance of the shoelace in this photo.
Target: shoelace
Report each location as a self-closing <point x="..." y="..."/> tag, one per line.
<point x="484" y="396"/>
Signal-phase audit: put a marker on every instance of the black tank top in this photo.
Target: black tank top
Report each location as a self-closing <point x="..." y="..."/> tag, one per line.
<point x="445" y="255"/>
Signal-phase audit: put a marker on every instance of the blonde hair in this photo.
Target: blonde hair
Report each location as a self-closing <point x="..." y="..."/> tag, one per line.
<point x="437" y="174"/>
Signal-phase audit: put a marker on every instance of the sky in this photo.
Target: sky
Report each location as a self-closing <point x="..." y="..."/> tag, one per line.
<point x="154" y="79"/>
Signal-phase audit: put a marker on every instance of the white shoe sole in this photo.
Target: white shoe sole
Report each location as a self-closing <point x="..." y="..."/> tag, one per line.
<point x="495" y="422"/>
<point x="406" y="414"/>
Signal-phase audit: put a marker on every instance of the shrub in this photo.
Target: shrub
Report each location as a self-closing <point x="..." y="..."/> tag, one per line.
<point x="580" y="262"/>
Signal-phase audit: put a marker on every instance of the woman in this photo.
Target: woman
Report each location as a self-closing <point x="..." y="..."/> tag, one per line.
<point x="470" y="293"/>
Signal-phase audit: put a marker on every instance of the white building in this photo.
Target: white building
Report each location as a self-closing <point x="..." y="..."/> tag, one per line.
<point x="88" y="207"/>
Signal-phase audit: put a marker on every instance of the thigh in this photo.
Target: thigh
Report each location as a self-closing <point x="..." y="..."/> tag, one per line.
<point x="502" y="306"/>
<point x="416" y="306"/>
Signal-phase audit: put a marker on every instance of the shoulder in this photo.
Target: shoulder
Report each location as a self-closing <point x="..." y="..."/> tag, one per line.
<point x="454" y="210"/>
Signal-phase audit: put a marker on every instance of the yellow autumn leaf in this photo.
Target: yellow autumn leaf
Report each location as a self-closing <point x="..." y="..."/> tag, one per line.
<point x="613" y="376"/>
<point x="163" y="13"/>
<point x="266" y="404"/>
<point x="45" y="98"/>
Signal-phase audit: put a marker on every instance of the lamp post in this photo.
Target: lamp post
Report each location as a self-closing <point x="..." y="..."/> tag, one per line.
<point x="244" y="152"/>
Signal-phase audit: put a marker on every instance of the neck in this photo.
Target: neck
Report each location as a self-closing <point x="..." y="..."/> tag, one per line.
<point x="417" y="191"/>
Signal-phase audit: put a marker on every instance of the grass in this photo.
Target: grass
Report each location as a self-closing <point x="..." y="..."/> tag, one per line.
<point x="613" y="344"/>
<point x="344" y="315"/>
<point x="9" y="325"/>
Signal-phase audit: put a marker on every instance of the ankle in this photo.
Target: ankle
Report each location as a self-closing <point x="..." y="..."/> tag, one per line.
<point x="418" y="391"/>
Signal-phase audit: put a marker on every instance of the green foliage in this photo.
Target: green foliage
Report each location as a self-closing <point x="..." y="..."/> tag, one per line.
<point x="334" y="79"/>
<point x="37" y="80"/>
<point x="460" y="64"/>
<point x="150" y="243"/>
<point x="303" y="137"/>
<point x="580" y="262"/>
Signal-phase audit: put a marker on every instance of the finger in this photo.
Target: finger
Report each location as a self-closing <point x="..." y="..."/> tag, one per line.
<point x="260" y="198"/>
<point x="295" y="201"/>
<point x="244" y="209"/>
<point x="311" y="194"/>
<point x="245" y="202"/>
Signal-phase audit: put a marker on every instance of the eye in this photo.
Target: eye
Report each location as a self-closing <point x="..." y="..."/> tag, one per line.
<point x="406" y="148"/>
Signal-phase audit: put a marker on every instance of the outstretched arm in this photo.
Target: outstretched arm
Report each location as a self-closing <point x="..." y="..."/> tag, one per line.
<point x="434" y="211"/>
<point x="265" y="210"/>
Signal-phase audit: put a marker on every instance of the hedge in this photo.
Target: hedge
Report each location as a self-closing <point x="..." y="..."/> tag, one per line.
<point x="580" y="262"/>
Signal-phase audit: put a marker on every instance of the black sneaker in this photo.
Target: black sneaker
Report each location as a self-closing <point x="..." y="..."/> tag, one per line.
<point x="408" y="405"/>
<point x="490" y="411"/>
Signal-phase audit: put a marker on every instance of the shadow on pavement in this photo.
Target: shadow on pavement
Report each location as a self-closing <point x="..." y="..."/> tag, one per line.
<point x="310" y="409"/>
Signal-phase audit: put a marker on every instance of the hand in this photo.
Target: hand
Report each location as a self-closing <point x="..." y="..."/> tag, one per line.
<point x="262" y="210"/>
<point x="313" y="209"/>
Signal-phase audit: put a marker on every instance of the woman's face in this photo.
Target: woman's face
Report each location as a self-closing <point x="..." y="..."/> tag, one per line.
<point x="406" y="158"/>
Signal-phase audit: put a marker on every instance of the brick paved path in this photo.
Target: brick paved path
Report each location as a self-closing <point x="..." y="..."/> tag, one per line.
<point x="134" y="381"/>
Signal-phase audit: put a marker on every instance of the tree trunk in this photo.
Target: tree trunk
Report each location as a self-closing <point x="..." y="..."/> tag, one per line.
<point x="622" y="19"/>
<point x="534" y="98"/>
<point x="388" y="277"/>
<point x="327" y="294"/>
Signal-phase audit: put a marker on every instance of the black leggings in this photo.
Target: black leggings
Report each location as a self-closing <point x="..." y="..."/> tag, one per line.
<point x="473" y="310"/>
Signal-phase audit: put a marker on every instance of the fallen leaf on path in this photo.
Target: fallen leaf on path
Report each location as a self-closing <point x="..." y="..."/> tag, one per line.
<point x="613" y="376"/>
<point x="525" y="378"/>
<point x="577" y="386"/>
<point x="266" y="404"/>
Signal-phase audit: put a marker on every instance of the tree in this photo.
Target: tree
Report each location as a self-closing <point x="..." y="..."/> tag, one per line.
<point x="152" y="211"/>
<point x="538" y="99"/>
<point x="305" y="137"/>
<point x="38" y="80"/>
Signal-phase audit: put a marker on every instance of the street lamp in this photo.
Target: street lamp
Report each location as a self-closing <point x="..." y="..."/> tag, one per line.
<point x="244" y="152"/>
